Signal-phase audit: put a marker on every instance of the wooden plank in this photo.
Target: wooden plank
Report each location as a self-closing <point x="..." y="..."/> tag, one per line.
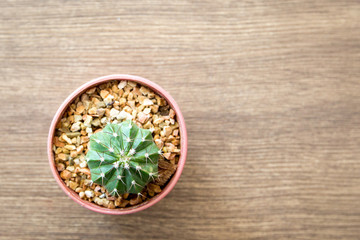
<point x="269" y="91"/>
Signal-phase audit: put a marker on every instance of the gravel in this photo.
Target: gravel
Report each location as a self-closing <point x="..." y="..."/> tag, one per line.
<point x="114" y="102"/>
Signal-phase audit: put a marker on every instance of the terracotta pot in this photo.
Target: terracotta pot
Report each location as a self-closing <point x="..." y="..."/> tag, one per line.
<point x="92" y="206"/>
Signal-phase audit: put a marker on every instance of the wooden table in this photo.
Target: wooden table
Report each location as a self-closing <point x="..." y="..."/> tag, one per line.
<point x="270" y="91"/>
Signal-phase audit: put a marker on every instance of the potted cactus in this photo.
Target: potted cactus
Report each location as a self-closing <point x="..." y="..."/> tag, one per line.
<point x="118" y="144"/>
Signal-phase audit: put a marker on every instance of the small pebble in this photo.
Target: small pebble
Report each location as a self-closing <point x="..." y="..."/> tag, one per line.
<point x="75" y="127"/>
<point x="114" y="113"/>
<point x="76" y="161"/>
<point x="83" y="164"/>
<point x="63" y="156"/>
<point x="93" y="111"/>
<point x="89" y="194"/>
<point x="124" y="115"/>
<point x="65" y="174"/>
<point x="72" y="134"/>
<point x="104" y="93"/>
<point x="70" y="147"/>
<point x="73" y="185"/>
<point x="71" y="168"/>
<point x="87" y="121"/>
<point x="147" y="102"/>
<point x="80" y="109"/>
<point x="147" y="110"/>
<point x="109" y="99"/>
<point x="60" y="167"/>
<point x="122" y="84"/>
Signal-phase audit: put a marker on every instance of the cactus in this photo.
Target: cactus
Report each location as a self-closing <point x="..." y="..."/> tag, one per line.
<point x="123" y="158"/>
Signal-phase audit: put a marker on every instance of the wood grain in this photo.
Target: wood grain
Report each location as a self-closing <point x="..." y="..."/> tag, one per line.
<point x="269" y="90"/>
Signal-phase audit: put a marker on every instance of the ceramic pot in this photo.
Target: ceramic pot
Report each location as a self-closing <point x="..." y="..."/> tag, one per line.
<point x="183" y="144"/>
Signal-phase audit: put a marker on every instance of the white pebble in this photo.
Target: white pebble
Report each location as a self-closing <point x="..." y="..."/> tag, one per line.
<point x="113" y="114"/>
<point x="81" y="194"/>
<point x="82" y="158"/>
<point x="77" y="118"/>
<point x="70" y="168"/>
<point x="76" y="161"/>
<point x="109" y="99"/>
<point x="124" y="115"/>
<point x="147" y="110"/>
<point x="104" y="119"/>
<point x="83" y="164"/>
<point x="147" y="102"/>
<point x="89" y="130"/>
<point x="89" y="194"/>
<point x="122" y="84"/>
<point x="87" y="121"/>
<point x="75" y="127"/>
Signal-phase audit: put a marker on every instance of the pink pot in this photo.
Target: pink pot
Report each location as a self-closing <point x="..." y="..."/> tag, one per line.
<point x="92" y="206"/>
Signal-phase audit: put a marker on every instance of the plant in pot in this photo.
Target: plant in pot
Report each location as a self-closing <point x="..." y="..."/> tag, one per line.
<point x="118" y="144"/>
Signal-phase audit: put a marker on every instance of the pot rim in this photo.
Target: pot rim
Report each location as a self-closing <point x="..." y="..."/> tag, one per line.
<point x="183" y="143"/>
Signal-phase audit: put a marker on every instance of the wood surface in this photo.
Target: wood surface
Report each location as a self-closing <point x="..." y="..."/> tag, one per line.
<point x="270" y="91"/>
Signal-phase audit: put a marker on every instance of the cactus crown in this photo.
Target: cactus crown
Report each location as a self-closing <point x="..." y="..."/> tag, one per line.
<point x="123" y="158"/>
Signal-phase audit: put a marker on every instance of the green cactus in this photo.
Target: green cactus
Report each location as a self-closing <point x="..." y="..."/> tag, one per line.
<point x="123" y="158"/>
